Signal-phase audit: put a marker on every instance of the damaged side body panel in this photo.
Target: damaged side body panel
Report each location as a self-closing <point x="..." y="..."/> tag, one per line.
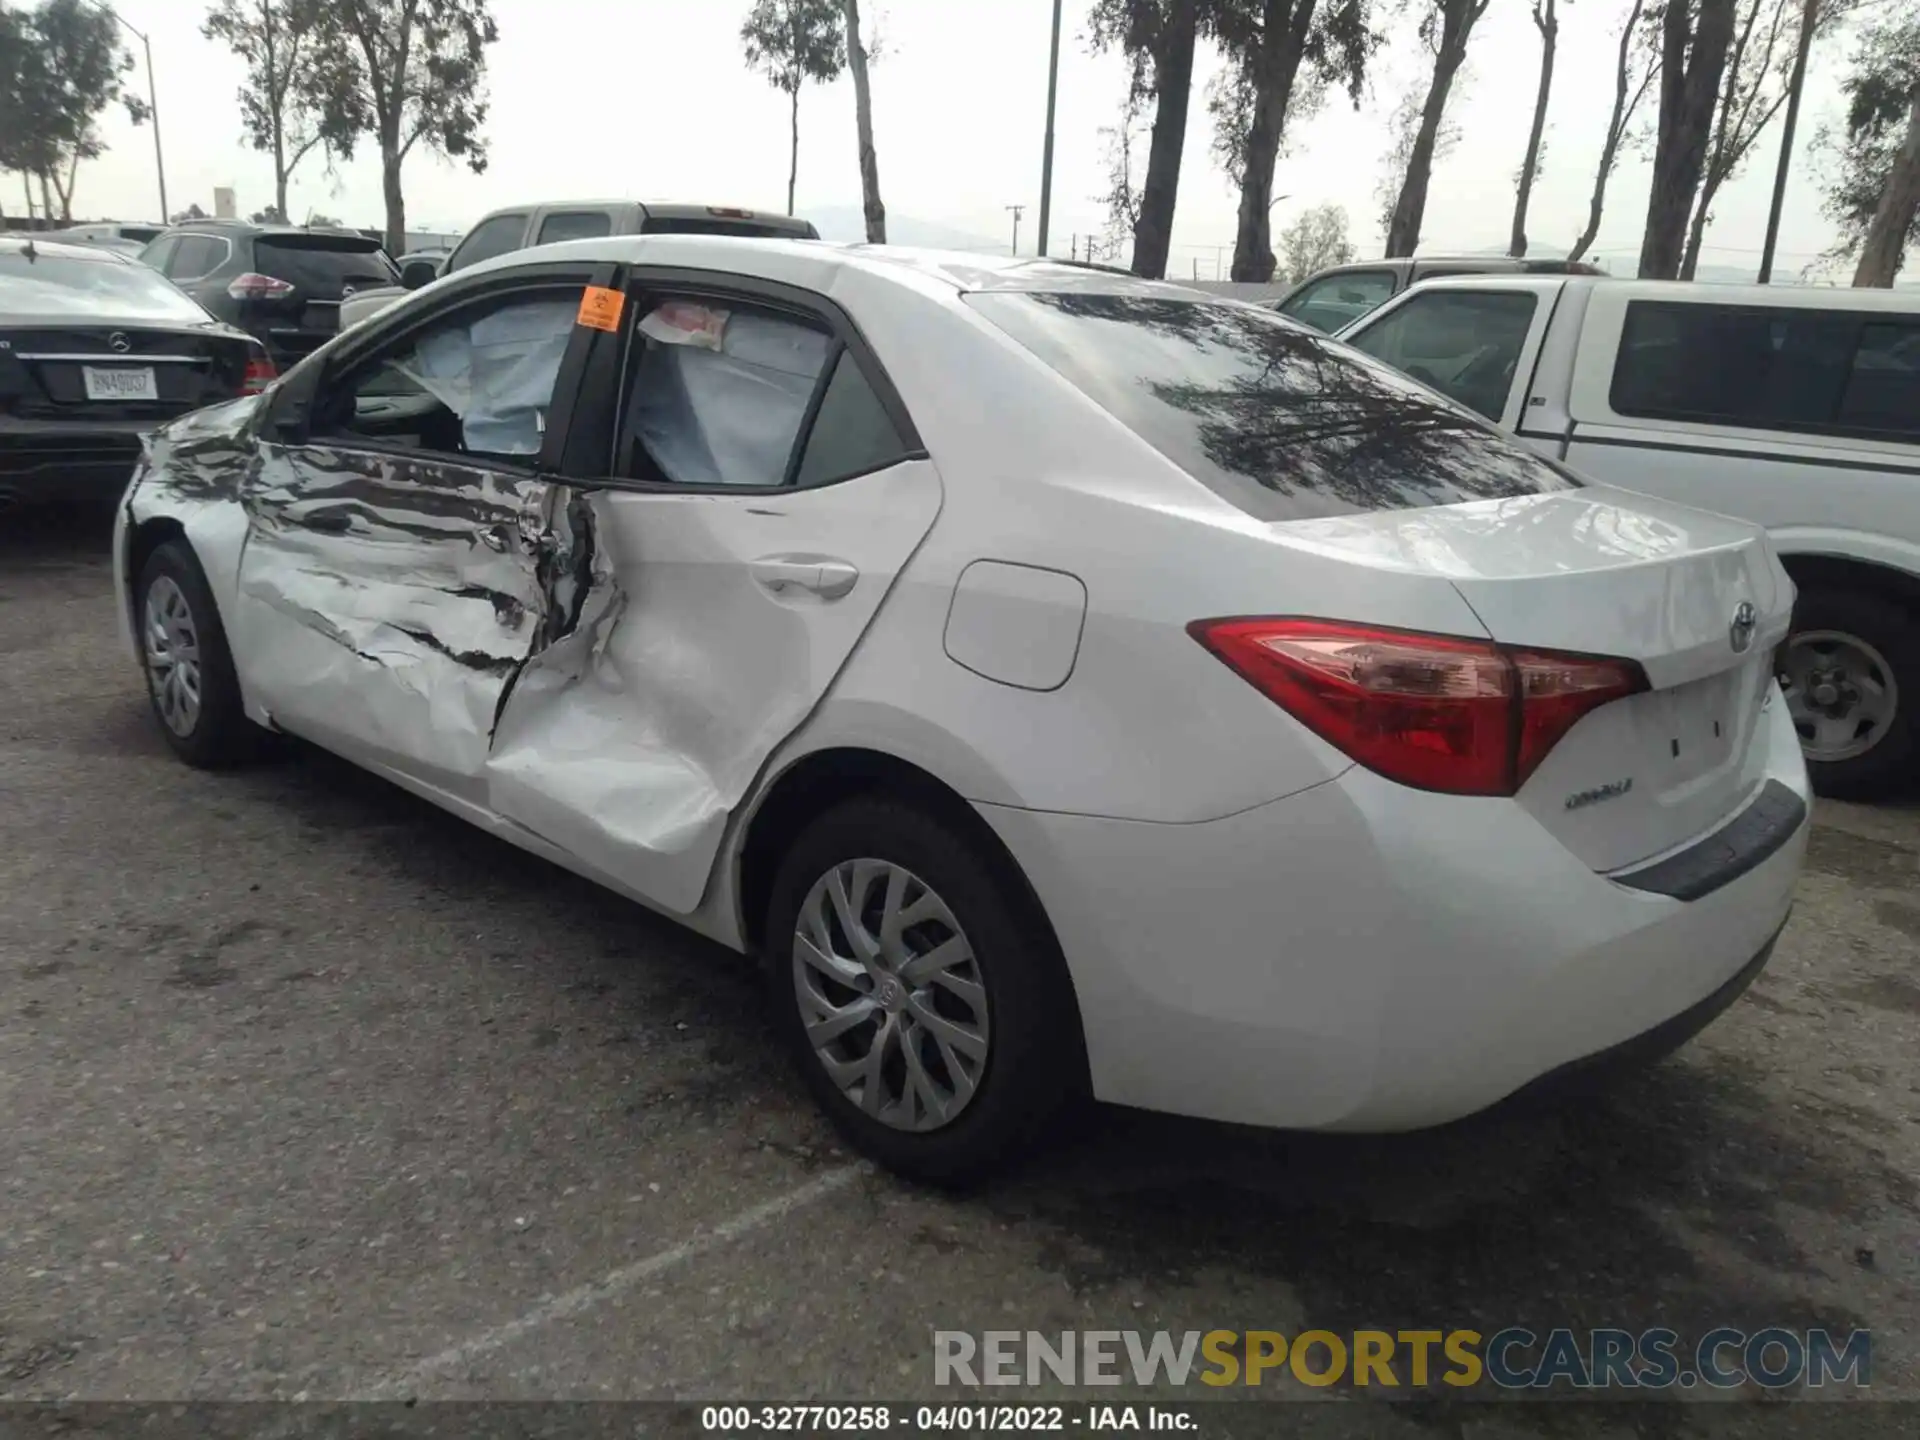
<point x="686" y="654"/>
<point x="385" y="607"/>
<point x="191" y="475"/>
<point x="599" y="672"/>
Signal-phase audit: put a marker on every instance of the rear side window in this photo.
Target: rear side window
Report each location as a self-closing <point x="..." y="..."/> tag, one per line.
<point x="323" y="271"/>
<point x="496" y="235"/>
<point x="1465" y="344"/>
<point x="159" y="253"/>
<point x="719" y="393"/>
<point x="1284" y="424"/>
<point x="1883" y="393"/>
<point x="852" y="433"/>
<point x="1339" y="300"/>
<point x="196" y="255"/>
<point x="574" y="225"/>
<point x="1813" y="371"/>
<point x="728" y="394"/>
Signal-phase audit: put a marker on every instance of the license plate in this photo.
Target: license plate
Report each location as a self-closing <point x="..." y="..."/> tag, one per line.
<point x="120" y="383"/>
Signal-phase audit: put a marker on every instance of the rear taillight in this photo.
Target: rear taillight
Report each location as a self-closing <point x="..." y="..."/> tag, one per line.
<point x="1437" y="712"/>
<point x="259" y="287"/>
<point x="259" y="375"/>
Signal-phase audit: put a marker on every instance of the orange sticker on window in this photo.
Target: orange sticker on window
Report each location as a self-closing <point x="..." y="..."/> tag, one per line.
<point x="600" y="308"/>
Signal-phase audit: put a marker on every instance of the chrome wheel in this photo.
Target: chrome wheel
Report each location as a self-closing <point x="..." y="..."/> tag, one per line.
<point x="173" y="655"/>
<point x="893" y="1001"/>
<point x="1841" y="693"/>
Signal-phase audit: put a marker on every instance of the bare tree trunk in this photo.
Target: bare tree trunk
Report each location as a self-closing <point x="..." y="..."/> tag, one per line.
<point x="46" y="198"/>
<point x="1173" y="91"/>
<point x="1283" y="41"/>
<point x="280" y="176"/>
<point x="1694" y="41"/>
<point x="1697" y="231"/>
<point x="1410" y="210"/>
<point x="396" y="199"/>
<point x="1549" y="26"/>
<point x="1626" y="100"/>
<point x="876" y="213"/>
<point x="1887" y="233"/>
<point x="793" y="159"/>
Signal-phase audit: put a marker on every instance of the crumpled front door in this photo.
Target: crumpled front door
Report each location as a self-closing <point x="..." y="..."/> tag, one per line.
<point x="385" y="603"/>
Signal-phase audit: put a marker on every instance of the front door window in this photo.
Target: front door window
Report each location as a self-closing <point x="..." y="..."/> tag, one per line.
<point x="475" y="383"/>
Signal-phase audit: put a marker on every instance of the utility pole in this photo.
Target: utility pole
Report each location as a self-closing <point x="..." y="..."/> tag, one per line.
<point x="1808" y="14"/>
<point x="1016" y="209"/>
<point x="1046" y="153"/>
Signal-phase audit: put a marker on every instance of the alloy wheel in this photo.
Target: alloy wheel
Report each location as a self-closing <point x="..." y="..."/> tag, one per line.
<point x="892" y="997"/>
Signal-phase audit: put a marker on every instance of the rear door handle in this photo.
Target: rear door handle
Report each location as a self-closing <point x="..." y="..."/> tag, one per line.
<point x="829" y="579"/>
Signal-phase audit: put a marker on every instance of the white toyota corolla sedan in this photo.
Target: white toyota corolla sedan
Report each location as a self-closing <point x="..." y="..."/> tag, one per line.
<point x="1063" y="682"/>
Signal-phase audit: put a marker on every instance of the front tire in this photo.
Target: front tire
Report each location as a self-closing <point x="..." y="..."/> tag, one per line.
<point x="1850" y="672"/>
<point x="925" y="1003"/>
<point x="189" y="669"/>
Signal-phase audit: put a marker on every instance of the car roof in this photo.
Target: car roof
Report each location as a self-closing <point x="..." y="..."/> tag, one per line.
<point x="59" y="250"/>
<point x="959" y="271"/>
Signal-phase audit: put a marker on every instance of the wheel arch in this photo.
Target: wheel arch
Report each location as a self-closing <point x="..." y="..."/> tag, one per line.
<point x="821" y="779"/>
<point x="143" y="538"/>
<point x="1824" y="570"/>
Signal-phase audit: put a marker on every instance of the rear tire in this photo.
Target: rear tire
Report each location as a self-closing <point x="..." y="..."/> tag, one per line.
<point x="964" y="994"/>
<point x="189" y="670"/>
<point x="1851" y="674"/>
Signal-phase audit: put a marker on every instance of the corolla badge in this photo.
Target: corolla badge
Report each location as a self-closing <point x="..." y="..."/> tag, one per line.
<point x="118" y="343"/>
<point x="1580" y="799"/>
<point x="1740" y="633"/>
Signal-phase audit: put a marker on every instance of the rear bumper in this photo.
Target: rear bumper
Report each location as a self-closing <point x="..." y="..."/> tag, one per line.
<point x="1360" y="956"/>
<point x="47" y="462"/>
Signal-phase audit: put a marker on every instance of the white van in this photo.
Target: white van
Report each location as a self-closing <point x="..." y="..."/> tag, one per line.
<point x="1795" y="407"/>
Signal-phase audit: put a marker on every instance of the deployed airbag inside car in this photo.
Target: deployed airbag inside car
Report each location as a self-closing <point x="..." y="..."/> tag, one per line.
<point x="720" y="395"/>
<point x="497" y="373"/>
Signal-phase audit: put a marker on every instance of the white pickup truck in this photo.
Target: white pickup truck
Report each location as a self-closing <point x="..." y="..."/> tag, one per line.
<point x="1794" y="407"/>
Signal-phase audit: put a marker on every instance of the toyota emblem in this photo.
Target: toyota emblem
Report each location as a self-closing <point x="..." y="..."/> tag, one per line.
<point x="119" y="343"/>
<point x="346" y="290"/>
<point x="1740" y="633"/>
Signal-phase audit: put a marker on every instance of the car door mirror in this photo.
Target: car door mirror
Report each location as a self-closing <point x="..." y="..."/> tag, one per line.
<point x="289" y="406"/>
<point x="417" y="274"/>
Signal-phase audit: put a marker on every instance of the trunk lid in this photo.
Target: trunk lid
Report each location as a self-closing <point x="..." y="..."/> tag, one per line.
<point x="1603" y="572"/>
<point x="155" y="372"/>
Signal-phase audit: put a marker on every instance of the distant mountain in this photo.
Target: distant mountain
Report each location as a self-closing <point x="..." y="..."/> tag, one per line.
<point x="847" y="223"/>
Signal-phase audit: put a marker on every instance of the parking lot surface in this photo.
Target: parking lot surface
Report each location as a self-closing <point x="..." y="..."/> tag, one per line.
<point x="307" y="1089"/>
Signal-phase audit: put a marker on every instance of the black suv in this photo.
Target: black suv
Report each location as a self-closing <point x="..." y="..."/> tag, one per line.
<point x="279" y="283"/>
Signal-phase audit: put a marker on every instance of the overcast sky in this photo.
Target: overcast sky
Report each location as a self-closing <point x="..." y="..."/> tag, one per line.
<point x="651" y="98"/>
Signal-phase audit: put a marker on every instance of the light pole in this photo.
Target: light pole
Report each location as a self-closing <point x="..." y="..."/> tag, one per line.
<point x="1016" y="209"/>
<point x="1794" y="86"/>
<point x="153" y="105"/>
<point x="1046" y="154"/>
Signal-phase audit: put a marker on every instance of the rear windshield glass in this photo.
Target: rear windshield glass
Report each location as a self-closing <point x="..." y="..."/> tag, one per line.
<point x="50" y="285"/>
<point x="323" y="272"/>
<point x="1277" y="420"/>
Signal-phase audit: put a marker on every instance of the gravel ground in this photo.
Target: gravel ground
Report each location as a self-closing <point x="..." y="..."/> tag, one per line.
<point x="308" y="1089"/>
